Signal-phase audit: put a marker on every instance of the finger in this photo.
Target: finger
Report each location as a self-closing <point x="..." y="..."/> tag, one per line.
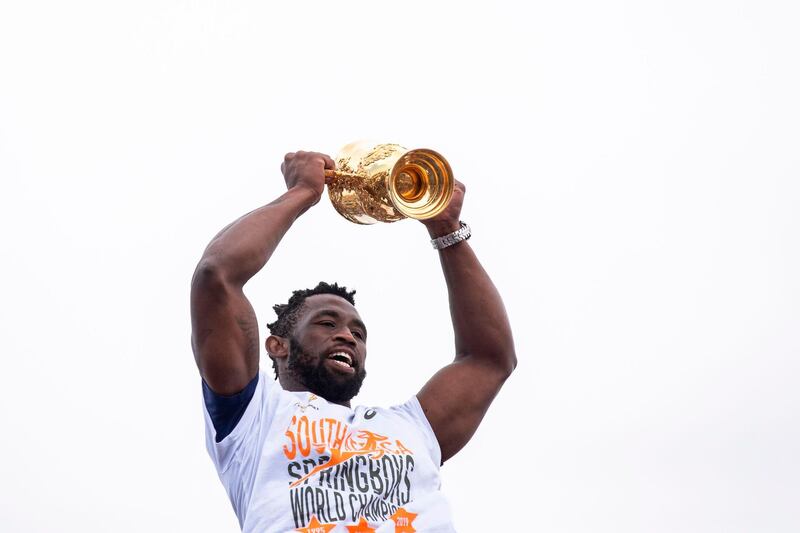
<point x="326" y="160"/>
<point x="330" y="164"/>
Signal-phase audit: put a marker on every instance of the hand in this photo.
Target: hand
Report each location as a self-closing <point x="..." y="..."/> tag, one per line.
<point x="448" y="220"/>
<point x="306" y="171"/>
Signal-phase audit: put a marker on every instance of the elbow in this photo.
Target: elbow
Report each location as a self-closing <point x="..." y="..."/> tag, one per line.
<point x="232" y="269"/>
<point x="205" y="272"/>
<point x="510" y="362"/>
<point x="503" y="365"/>
<point x="506" y="355"/>
<point x="500" y="364"/>
<point x="209" y="274"/>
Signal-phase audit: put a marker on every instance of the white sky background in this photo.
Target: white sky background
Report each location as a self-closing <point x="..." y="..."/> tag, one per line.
<point x="632" y="172"/>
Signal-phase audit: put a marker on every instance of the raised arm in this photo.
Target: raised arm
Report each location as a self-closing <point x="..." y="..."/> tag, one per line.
<point x="224" y="326"/>
<point x="456" y="398"/>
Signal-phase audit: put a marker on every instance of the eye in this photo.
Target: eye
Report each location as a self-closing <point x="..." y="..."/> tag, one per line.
<point x="358" y="335"/>
<point x="328" y="323"/>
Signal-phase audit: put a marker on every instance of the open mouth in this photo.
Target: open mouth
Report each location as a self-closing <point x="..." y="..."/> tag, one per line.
<point x="342" y="360"/>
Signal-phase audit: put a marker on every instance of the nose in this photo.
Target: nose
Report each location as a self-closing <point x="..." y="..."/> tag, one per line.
<point x="345" y="335"/>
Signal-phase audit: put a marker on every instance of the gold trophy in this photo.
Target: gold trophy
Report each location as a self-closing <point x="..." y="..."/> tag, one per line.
<point x="386" y="183"/>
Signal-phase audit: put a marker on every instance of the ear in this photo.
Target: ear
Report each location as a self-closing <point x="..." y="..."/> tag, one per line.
<point x="277" y="346"/>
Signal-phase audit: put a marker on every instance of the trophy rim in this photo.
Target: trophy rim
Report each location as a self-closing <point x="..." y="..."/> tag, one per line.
<point x="441" y="201"/>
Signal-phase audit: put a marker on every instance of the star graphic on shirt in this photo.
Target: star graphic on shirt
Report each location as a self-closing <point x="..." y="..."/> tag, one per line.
<point x="361" y="527"/>
<point x="315" y="527"/>
<point x="403" y="520"/>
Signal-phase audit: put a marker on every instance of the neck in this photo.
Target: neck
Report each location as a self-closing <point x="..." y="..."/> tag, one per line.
<point x="291" y="385"/>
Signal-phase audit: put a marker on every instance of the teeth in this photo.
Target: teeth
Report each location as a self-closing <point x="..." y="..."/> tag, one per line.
<point x="342" y="354"/>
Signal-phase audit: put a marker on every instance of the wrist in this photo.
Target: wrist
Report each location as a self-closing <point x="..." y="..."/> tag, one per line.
<point x="460" y="235"/>
<point x="305" y="196"/>
<point x="440" y="228"/>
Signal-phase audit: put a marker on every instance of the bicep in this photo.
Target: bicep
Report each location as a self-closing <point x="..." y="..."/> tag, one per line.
<point x="456" y="399"/>
<point x="224" y="333"/>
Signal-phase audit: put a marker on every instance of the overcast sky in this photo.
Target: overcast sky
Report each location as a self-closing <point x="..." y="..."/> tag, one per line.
<point x="632" y="173"/>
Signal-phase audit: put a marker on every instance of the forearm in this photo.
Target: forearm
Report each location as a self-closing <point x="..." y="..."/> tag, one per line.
<point x="480" y="322"/>
<point x="242" y="248"/>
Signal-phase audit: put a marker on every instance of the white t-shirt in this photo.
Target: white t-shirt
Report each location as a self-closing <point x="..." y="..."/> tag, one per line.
<point x="295" y="462"/>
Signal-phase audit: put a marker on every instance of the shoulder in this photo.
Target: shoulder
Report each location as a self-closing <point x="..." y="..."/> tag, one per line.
<point x="401" y="423"/>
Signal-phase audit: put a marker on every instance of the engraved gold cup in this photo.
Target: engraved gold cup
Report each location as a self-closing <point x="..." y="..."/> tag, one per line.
<point x="386" y="183"/>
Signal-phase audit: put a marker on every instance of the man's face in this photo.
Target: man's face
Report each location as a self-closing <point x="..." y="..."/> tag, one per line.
<point x="328" y="349"/>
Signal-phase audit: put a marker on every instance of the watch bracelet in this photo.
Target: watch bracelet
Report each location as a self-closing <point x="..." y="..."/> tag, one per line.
<point x="461" y="234"/>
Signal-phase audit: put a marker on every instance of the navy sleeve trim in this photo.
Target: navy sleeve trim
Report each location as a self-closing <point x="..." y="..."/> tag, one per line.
<point x="226" y="411"/>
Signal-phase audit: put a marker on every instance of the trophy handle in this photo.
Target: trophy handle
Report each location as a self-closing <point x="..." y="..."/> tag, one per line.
<point x="331" y="175"/>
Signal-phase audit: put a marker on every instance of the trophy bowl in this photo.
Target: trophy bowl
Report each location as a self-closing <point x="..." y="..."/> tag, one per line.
<point x="385" y="183"/>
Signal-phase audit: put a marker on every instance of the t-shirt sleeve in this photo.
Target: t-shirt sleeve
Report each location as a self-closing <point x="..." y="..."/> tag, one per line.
<point x="233" y="424"/>
<point x="412" y="410"/>
<point x="226" y="411"/>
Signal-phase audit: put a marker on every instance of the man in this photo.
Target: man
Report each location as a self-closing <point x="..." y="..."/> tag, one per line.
<point x="295" y="456"/>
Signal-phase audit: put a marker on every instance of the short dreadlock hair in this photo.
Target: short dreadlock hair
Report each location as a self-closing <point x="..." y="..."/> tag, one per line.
<point x="289" y="312"/>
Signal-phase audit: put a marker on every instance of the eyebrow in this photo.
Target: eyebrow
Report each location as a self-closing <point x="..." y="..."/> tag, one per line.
<point x="337" y="315"/>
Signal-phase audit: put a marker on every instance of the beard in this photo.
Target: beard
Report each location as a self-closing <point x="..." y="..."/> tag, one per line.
<point x="311" y="371"/>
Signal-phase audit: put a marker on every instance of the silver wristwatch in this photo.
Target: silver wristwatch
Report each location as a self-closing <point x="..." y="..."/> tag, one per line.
<point x="461" y="234"/>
